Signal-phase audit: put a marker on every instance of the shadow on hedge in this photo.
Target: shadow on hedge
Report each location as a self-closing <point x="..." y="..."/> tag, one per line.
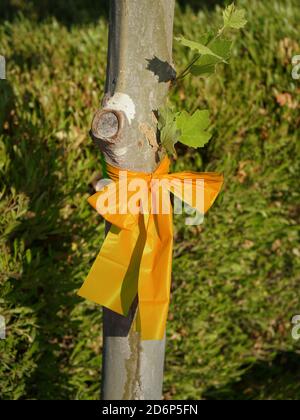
<point x="67" y="12"/>
<point x="76" y="11"/>
<point x="264" y="380"/>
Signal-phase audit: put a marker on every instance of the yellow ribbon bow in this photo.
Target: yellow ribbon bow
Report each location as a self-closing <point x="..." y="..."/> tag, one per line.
<point x="136" y="257"/>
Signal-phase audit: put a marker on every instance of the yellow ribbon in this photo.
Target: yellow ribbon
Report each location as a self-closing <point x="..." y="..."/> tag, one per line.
<point x="136" y="257"/>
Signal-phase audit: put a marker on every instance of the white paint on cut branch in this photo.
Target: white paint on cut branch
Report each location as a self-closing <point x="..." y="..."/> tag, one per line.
<point x="120" y="152"/>
<point x="122" y="102"/>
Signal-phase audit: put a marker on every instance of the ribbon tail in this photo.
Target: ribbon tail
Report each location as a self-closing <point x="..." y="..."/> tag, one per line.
<point x="112" y="280"/>
<point x="155" y="277"/>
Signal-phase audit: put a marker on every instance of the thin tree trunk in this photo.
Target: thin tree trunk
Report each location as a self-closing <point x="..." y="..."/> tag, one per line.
<point x="138" y="74"/>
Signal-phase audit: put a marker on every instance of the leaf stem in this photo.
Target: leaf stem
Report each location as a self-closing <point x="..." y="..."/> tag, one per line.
<point x="186" y="70"/>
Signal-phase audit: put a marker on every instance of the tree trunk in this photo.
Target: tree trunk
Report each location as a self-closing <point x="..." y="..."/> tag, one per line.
<point x="138" y="76"/>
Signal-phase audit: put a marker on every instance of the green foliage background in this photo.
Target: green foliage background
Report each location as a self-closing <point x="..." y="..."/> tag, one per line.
<point x="236" y="278"/>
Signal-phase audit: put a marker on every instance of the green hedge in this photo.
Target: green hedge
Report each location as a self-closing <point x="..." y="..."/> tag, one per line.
<point x="236" y="278"/>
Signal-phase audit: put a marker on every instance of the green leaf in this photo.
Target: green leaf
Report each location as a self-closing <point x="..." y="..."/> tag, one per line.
<point x="200" y="48"/>
<point x="169" y="134"/>
<point x="204" y="70"/>
<point x="206" y="65"/>
<point x="234" y="18"/>
<point x="222" y="47"/>
<point x="206" y="38"/>
<point x="193" y="128"/>
<point x="28" y="256"/>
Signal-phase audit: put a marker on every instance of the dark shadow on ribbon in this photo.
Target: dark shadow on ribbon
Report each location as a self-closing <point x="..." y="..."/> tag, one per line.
<point x="115" y="325"/>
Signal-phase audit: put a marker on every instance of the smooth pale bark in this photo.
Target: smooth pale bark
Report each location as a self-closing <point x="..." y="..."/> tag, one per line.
<point x="138" y="76"/>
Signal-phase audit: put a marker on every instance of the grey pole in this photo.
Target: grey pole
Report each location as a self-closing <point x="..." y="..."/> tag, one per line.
<point x="139" y="71"/>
